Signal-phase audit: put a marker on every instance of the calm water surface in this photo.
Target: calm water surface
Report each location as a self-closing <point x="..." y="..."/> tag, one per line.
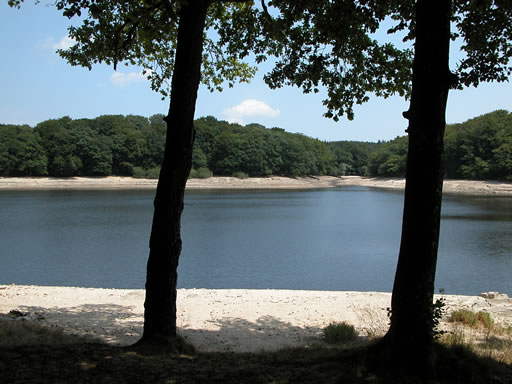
<point x="337" y="239"/>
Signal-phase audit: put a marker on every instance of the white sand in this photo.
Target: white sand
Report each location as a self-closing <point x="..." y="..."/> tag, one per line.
<point x="221" y="320"/>
<point x="275" y="182"/>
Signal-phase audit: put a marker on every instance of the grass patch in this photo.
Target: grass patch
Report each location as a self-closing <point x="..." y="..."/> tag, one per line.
<point x="340" y="333"/>
<point x="472" y="319"/>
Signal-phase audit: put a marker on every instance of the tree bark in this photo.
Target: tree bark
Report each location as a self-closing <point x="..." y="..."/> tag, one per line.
<point x="165" y="241"/>
<point x="410" y="337"/>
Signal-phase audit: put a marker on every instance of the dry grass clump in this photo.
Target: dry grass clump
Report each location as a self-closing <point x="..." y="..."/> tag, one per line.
<point x="471" y="318"/>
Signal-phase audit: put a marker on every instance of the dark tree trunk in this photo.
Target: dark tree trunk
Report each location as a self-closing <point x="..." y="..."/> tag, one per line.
<point x="410" y="337"/>
<point x="165" y="241"/>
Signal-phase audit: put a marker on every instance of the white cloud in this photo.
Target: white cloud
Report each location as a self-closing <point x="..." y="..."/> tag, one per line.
<point x="64" y="43"/>
<point x="249" y="108"/>
<point x="122" y="79"/>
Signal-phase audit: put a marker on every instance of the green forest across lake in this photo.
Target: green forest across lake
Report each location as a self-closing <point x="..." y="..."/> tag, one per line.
<point x="480" y="148"/>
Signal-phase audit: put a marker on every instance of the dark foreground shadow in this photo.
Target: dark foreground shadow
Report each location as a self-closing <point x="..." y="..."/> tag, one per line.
<point x="102" y="363"/>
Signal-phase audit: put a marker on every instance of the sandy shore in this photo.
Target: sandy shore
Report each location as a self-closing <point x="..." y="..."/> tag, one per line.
<point x="221" y="320"/>
<point x="276" y="182"/>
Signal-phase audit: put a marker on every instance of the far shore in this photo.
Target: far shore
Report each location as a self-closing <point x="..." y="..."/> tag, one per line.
<point x="469" y="187"/>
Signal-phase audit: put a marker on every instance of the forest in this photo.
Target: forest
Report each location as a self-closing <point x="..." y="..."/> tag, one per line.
<point x="480" y="148"/>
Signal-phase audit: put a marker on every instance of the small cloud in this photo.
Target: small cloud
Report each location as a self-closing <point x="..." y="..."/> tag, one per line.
<point x="249" y="108"/>
<point x="65" y="43"/>
<point x="122" y="79"/>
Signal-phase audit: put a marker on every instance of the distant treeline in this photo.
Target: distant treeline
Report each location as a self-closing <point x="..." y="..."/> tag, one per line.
<point x="133" y="146"/>
<point x="480" y="148"/>
<point x="106" y="145"/>
<point x="228" y="149"/>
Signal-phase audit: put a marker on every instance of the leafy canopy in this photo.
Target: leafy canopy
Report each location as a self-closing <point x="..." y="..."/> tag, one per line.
<point x="485" y="26"/>
<point x="143" y="33"/>
<point x="330" y="44"/>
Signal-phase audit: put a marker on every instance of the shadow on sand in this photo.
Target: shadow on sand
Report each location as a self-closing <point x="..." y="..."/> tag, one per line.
<point x="119" y="325"/>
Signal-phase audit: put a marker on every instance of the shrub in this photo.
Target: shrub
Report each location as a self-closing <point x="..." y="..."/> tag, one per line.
<point x="141" y="173"/>
<point x="201" y="173"/>
<point x="138" y="172"/>
<point x="240" y="175"/>
<point x="438" y="311"/>
<point x="153" y="173"/>
<point x="339" y="333"/>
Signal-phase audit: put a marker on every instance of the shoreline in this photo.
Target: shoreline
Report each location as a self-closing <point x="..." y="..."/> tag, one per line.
<point x="229" y="320"/>
<point x="467" y="187"/>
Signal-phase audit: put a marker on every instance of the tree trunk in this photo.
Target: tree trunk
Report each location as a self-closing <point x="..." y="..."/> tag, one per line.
<point x="410" y="337"/>
<point x="165" y="241"/>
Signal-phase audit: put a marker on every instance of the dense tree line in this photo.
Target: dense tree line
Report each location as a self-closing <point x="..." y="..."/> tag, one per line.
<point x="352" y="156"/>
<point x="133" y="146"/>
<point x="389" y="158"/>
<point x="106" y="145"/>
<point x="257" y="151"/>
<point x="21" y="152"/>
<point x="480" y="148"/>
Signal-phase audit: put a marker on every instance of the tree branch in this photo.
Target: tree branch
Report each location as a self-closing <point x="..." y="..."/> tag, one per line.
<point x="265" y="11"/>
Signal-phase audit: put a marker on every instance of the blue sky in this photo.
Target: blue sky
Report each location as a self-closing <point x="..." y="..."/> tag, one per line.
<point x="36" y="85"/>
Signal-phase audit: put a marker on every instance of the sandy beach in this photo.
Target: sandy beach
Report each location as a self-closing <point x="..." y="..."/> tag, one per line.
<point x="235" y="320"/>
<point x="485" y="188"/>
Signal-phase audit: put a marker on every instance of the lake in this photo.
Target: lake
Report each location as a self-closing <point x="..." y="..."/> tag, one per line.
<point x="334" y="239"/>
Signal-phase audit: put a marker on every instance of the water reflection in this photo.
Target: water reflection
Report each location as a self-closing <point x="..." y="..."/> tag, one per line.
<point x="475" y="244"/>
